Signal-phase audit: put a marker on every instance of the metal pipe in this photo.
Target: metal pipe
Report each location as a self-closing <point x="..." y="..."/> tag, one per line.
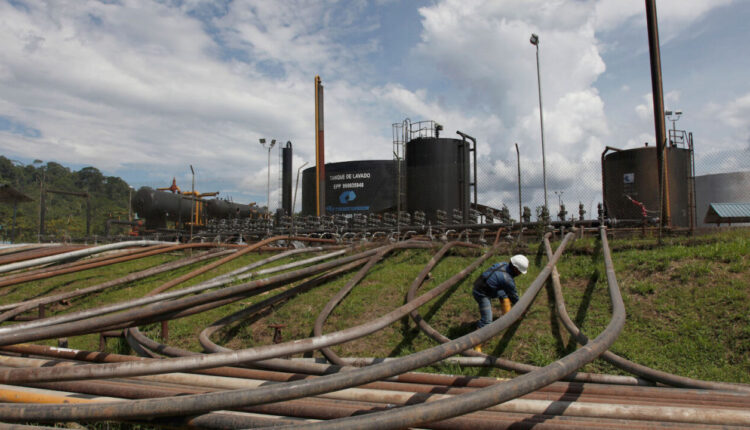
<point x="623" y="363"/>
<point x="293" y="390"/>
<point x="77" y="254"/>
<point x="215" y="264"/>
<point x="652" y="24"/>
<point x="204" y="337"/>
<point x="76" y="263"/>
<point x="468" y="341"/>
<point x="415" y="415"/>
<point x="294" y="201"/>
<point x="45" y="273"/>
<point x="76" y="316"/>
<point x="18" y="308"/>
<point x="502" y="362"/>
<point x="422" y="382"/>
<point x="474" y="150"/>
<point x="275" y="257"/>
<point x="581" y="408"/>
<point x="156" y="309"/>
<point x="343" y="292"/>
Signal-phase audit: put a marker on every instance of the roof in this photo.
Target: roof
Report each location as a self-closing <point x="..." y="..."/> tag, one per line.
<point x="9" y="194"/>
<point x="727" y="213"/>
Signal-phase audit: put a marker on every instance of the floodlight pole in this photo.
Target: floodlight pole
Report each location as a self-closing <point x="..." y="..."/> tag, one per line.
<point x="535" y="41"/>
<point x="268" y="184"/>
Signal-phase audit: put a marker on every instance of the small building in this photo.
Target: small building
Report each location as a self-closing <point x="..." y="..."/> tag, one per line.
<point x="727" y="213"/>
<point x="733" y="187"/>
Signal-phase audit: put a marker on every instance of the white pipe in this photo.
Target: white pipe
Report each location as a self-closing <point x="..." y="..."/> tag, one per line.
<point x="79" y="253"/>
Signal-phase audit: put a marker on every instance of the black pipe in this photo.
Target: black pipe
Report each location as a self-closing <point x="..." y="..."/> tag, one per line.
<point x="286" y="178"/>
<point x="474" y="150"/>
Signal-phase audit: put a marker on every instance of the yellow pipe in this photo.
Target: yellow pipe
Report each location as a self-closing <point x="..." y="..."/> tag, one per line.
<point x="12" y="394"/>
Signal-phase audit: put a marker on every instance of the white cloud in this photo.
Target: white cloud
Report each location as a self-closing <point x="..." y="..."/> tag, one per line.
<point x="156" y="86"/>
<point x="737" y="113"/>
<point x="672" y="14"/>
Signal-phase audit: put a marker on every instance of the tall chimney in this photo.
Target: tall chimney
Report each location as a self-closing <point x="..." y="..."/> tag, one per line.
<point x="320" y="163"/>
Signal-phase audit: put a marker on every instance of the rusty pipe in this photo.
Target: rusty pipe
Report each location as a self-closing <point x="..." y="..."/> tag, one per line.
<point x="18" y="308"/>
<point x="76" y="254"/>
<point x="623" y="363"/>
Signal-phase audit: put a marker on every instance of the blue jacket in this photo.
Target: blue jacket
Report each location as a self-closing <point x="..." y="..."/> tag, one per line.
<point x="498" y="283"/>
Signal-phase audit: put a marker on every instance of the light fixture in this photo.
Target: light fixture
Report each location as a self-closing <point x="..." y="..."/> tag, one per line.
<point x="268" y="184"/>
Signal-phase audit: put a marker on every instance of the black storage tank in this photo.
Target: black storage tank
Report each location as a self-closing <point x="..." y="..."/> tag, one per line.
<point x="220" y="208"/>
<point x="365" y="186"/>
<point x="633" y="173"/>
<point x="159" y="206"/>
<point x="437" y="176"/>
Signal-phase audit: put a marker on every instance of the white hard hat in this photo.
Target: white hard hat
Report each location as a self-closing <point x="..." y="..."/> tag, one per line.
<point x="520" y="262"/>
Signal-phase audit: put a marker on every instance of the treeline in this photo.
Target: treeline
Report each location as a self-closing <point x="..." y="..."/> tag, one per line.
<point x="65" y="215"/>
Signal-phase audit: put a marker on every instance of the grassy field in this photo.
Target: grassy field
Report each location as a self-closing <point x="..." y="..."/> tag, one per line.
<point x="687" y="303"/>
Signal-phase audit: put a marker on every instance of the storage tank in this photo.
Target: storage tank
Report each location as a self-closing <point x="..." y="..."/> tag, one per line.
<point x="633" y="174"/>
<point x="159" y="206"/>
<point x="731" y="187"/>
<point x="437" y="176"/>
<point x="352" y="187"/>
<point x="220" y="208"/>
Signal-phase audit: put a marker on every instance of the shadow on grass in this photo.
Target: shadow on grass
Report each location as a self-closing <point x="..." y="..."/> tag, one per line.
<point x="410" y="333"/>
<point x="554" y="323"/>
<point x="583" y="308"/>
<point x="232" y="332"/>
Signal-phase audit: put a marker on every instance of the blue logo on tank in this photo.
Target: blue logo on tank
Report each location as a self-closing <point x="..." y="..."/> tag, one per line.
<point x="347" y="196"/>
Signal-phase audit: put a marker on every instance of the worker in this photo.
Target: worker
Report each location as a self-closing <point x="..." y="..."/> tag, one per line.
<point x="497" y="282"/>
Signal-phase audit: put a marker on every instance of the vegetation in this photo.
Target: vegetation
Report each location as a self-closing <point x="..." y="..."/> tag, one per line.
<point x="65" y="215"/>
<point x="686" y="302"/>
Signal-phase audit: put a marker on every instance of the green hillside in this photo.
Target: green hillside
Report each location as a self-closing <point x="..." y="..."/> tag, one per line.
<point x="65" y="215"/>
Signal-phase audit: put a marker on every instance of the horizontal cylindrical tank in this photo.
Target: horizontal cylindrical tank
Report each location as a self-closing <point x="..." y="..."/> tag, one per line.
<point x="437" y="176"/>
<point x="160" y="205"/>
<point x="731" y="187"/>
<point x="630" y="177"/>
<point x="218" y="208"/>
<point x="352" y="187"/>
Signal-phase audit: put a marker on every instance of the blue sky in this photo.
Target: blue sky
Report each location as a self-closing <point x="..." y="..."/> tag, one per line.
<point x="142" y="89"/>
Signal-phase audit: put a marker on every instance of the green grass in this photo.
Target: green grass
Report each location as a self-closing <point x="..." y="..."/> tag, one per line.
<point x="687" y="303"/>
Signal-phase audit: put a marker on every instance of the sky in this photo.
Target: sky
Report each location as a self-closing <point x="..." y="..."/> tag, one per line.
<point x="143" y="89"/>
